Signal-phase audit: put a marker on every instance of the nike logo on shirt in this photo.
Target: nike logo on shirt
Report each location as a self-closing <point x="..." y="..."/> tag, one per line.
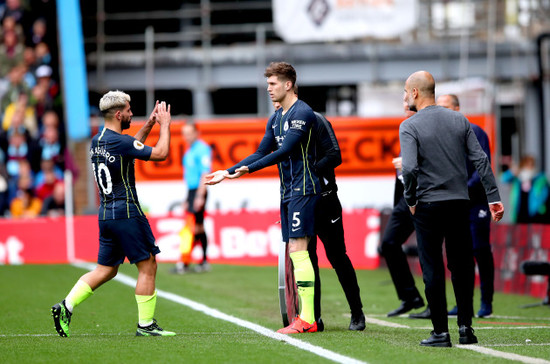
<point x="333" y="221"/>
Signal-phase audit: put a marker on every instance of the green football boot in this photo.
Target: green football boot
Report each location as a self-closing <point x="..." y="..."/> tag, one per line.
<point x="61" y="318"/>
<point x="153" y="330"/>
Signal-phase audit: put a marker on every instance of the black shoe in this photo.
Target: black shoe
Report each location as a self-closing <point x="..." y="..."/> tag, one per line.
<point x="320" y="325"/>
<point x="357" y="322"/>
<point x="406" y="306"/>
<point x="426" y="314"/>
<point x="467" y="335"/>
<point x="442" y="340"/>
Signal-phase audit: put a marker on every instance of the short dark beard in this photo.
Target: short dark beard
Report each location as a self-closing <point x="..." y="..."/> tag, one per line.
<point x="125" y="124"/>
<point x="412" y="108"/>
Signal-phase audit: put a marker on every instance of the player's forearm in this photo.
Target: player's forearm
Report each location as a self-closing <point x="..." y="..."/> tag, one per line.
<point x="143" y="133"/>
<point x="161" y="150"/>
<point x="263" y="149"/>
<point x="292" y="140"/>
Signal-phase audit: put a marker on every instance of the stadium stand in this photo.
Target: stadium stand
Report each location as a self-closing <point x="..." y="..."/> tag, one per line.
<point x="32" y="135"/>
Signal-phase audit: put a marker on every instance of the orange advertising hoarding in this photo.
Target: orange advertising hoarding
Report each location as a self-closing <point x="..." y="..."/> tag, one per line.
<point x="367" y="145"/>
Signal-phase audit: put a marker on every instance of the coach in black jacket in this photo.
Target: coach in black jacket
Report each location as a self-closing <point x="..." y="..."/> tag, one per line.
<point x="329" y="225"/>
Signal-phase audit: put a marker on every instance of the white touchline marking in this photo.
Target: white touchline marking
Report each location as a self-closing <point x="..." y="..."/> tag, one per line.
<point x="385" y="323"/>
<point x="512" y="327"/>
<point x="506" y="327"/>
<point x="239" y="334"/>
<point x="526" y="344"/>
<point x="317" y="350"/>
<point x="479" y="318"/>
<point x="504" y="355"/>
<point x="479" y="349"/>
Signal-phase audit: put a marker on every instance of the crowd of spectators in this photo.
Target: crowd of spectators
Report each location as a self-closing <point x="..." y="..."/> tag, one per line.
<point x="32" y="133"/>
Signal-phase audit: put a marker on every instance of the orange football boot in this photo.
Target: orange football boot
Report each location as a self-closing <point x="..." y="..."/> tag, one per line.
<point x="299" y="326"/>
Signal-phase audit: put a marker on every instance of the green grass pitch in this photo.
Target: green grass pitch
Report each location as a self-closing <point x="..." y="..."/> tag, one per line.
<point x="103" y="327"/>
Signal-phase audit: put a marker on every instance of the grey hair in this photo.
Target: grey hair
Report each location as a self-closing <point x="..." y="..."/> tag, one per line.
<point x="113" y="100"/>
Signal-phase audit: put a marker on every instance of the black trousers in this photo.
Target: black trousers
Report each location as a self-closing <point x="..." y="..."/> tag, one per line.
<point x="330" y="229"/>
<point x="399" y="228"/>
<point x="434" y="223"/>
<point x="480" y="226"/>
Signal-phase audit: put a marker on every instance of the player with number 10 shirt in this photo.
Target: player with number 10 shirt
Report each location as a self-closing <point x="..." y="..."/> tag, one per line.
<point x="112" y="156"/>
<point x="124" y="231"/>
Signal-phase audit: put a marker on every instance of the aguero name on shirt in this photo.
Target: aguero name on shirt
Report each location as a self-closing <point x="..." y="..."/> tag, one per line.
<point x="113" y="157"/>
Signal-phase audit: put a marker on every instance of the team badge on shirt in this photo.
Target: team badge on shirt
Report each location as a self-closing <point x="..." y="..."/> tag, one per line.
<point x="138" y="145"/>
<point x="285" y="127"/>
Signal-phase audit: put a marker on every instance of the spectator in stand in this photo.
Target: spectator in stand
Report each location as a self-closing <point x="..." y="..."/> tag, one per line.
<point x="50" y="119"/>
<point x="9" y="24"/>
<point x="38" y="32"/>
<point x="3" y="183"/>
<point x="16" y="10"/>
<point x="21" y="155"/>
<point x="54" y="205"/>
<point x="65" y="160"/>
<point x="529" y="195"/>
<point x="19" y="113"/>
<point x="29" y="59"/>
<point x="46" y="178"/>
<point x="15" y="88"/>
<point x="43" y="54"/>
<point x="11" y="52"/>
<point x="25" y="203"/>
<point x="16" y="156"/>
<point x="51" y="147"/>
<point x="44" y="78"/>
<point x="41" y="102"/>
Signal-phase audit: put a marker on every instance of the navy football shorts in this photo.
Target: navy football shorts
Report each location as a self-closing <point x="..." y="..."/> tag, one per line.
<point x="298" y="217"/>
<point x="199" y="215"/>
<point x="121" y="238"/>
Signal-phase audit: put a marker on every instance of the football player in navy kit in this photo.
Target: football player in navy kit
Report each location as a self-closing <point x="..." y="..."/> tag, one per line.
<point x="329" y="225"/>
<point x="123" y="228"/>
<point x="289" y="143"/>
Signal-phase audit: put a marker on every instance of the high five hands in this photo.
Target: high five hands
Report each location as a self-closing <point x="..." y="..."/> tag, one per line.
<point x="218" y="176"/>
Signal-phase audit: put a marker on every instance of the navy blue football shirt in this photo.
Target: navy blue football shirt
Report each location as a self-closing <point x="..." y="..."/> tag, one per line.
<point x="292" y="142"/>
<point x="113" y="156"/>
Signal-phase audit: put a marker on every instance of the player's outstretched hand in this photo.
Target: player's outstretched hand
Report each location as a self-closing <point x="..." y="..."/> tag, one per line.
<point x="241" y="171"/>
<point x="215" y="177"/>
<point x="497" y="211"/>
